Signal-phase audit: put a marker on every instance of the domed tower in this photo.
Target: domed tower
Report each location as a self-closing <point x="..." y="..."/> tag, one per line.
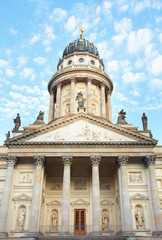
<point x="80" y="83"/>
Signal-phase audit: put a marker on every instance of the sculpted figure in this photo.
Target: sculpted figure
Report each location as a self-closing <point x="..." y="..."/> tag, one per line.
<point x="144" y="122"/>
<point x="139" y="218"/>
<point x="40" y="118"/>
<point x="54" y="219"/>
<point x="21" y="220"/>
<point x="105" y="220"/>
<point x="17" y="122"/>
<point x="80" y="99"/>
<point x="121" y="117"/>
<point x="8" y="136"/>
<point x="80" y="31"/>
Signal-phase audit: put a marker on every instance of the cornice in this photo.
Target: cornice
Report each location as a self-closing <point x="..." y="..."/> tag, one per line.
<point x="78" y="69"/>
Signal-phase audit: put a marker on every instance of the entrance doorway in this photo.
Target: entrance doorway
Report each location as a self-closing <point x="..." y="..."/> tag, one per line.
<point x="79" y="222"/>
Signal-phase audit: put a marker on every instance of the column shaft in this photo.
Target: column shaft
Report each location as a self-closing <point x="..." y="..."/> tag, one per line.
<point x="6" y="196"/>
<point x="108" y="107"/>
<point x="58" y="100"/>
<point x="51" y="107"/>
<point x="72" y="96"/>
<point x="89" y="94"/>
<point x="150" y="160"/>
<point x="103" y="106"/>
<point x="96" y="218"/>
<point x="126" y="207"/>
<point x="37" y="194"/>
<point x="67" y="161"/>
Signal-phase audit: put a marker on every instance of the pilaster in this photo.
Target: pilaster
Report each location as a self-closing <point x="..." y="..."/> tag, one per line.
<point x="108" y="107"/>
<point x="72" y="96"/>
<point x="51" y="107"/>
<point x="103" y="102"/>
<point x="58" y="100"/>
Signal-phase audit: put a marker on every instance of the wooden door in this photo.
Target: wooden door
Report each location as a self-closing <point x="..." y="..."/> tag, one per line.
<point x="79" y="222"/>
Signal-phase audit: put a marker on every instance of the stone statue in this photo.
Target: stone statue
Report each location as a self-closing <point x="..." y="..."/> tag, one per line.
<point x="139" y="218"/>
<point x="17" y="122"/>
<point x="80" y="31"/>
<point x="80" y="99"/>
<point x="8" y="136"/>
<point x="121" y="117"/>
<point x="40" y="118"/>
<point x="105" y="220"/>
<point x="21" y="220"/>
<point x="144" y="122"/>
<point x="54" y="219"/>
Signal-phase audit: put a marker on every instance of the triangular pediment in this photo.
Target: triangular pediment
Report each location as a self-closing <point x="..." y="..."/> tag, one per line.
<point x="80" y="128"/>
<point x="54" y="202"/>
<point x="138" y="196"/>
<point x="106" y="202"/>
<point x="22" y="197"/>
<point x="80" y="202"/>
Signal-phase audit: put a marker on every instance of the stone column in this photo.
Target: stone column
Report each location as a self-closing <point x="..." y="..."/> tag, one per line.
<point x="108" y="107"/>
<point x="67" y="161"/>
<point x="96" y="218"/>
<point x="58" y="100"/>
<point x="72" y="95"/>
<point x="126" y="207"/>
<point x="39" y="161"/>
<point x="89" y="95"/>
<point x="6" y="196"/>
<point x="150" y="161"/>
<point x="103" y="106"/>
<point x="51" y="107"/>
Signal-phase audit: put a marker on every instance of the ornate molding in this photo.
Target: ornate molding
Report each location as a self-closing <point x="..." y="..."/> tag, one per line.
<point x="11" y="161"/>
<point x="150" y="160"/>
<point x="95" y="160"/>
<point x="67" y="160"/>
<point x="39" y="161"/>
<point x="122" y="160"/>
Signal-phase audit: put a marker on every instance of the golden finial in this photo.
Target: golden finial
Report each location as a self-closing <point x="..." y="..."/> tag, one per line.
<point x="80" y="31"/>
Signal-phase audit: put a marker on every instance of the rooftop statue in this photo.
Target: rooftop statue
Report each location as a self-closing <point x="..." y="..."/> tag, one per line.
<point x="8" y="136"/>
<point x="40" y="118"/>
<point x="17" y="122"/>
<point x="144" y="122"/>
<point x="121" y="117"/>
<point x="80" y="31"/>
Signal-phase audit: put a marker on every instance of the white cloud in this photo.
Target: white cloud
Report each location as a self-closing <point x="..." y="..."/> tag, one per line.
<point x="113" y="65"/>
<point x="27" y="73"/>
<point x="40" y="60"/>
<point x="48" y="49"/>
<point x="49" y="35"/>
<point x="71" y="23"/>
<point x="9" y="72"/>
<point x="22" y="61"/>
<point x="58" y="14"/>
<point x="124" y="25"/>
<point x="160" y="37"/>
<point x="1" y="72"/>
<point x="142" y="5"/>
<point x="156" y="83"/>
<point x="158" y="19"/>
<point x="3" y="63"/>
<point x="13" y="31"/>
<point x="139" y="63"/>
<point x="155" y="66"/>
<point x="35" y="90"/>
<point x="124" y="8"/>
<point x="103" y="49"/>
<point x="98" y="9"/>
<point x="135" y="93"/>
<point x="107" y="6"/>
<point x="133" y="78"/>
<point x="121" y="96"/>
<point x="126" y="65"/>
<point x="139" y="40"/>
<point x="35" y="38"/>
<point x="92" y="37"/>
<point x="133" y="102"/>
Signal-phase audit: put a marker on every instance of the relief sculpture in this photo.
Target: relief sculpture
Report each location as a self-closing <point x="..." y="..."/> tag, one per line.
<point x="80" y="185"/>
<point x="25" y="178"/>
<point x="104" y="185"/>
<point x="56" y="185"/>
<point x="135" y="177"/>
<point x="105" y="219"/>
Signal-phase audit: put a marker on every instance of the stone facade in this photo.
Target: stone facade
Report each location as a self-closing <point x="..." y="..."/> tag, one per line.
<point x="80" y="173"/>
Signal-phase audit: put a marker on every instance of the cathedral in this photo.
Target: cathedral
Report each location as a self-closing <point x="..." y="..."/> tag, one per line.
<point x="80" y="174"/>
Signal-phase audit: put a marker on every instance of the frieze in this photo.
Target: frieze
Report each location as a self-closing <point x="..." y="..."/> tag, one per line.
<point x="55" y="185"/>
<point x="25" y="177"/>
<point x="104" y="185"/>
<point x="80" y="185"/>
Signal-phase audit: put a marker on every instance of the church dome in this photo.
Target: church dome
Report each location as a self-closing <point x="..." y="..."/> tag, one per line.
<point x="80" y="45"/>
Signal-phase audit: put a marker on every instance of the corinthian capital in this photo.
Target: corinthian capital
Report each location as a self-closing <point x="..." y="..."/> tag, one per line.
<point x="95" y="160"/>
<point x="39" y="161"/>
<point x="67" y="160"/>
<point x="122" y="160"/>
<point x="11" y="161"/>
<point x="150" y="160"/>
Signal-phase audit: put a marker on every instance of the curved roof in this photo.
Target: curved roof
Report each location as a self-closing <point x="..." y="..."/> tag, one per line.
<point x="80" y="45"/>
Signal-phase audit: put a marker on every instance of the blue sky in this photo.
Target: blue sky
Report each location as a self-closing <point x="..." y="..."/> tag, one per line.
<point x="127" y="33"/>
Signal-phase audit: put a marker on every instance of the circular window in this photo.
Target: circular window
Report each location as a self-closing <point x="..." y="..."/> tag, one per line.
<point x="92" y="62"/>
<point x="70" y="62"/>
<point x="81" y="60"/>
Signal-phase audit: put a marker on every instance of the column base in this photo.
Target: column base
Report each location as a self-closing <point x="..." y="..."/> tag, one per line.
<point x="96" y="233"/>
<point x="125" y="233"/>
<point x="64" y="233"/>
<point x="157" y="233"/>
